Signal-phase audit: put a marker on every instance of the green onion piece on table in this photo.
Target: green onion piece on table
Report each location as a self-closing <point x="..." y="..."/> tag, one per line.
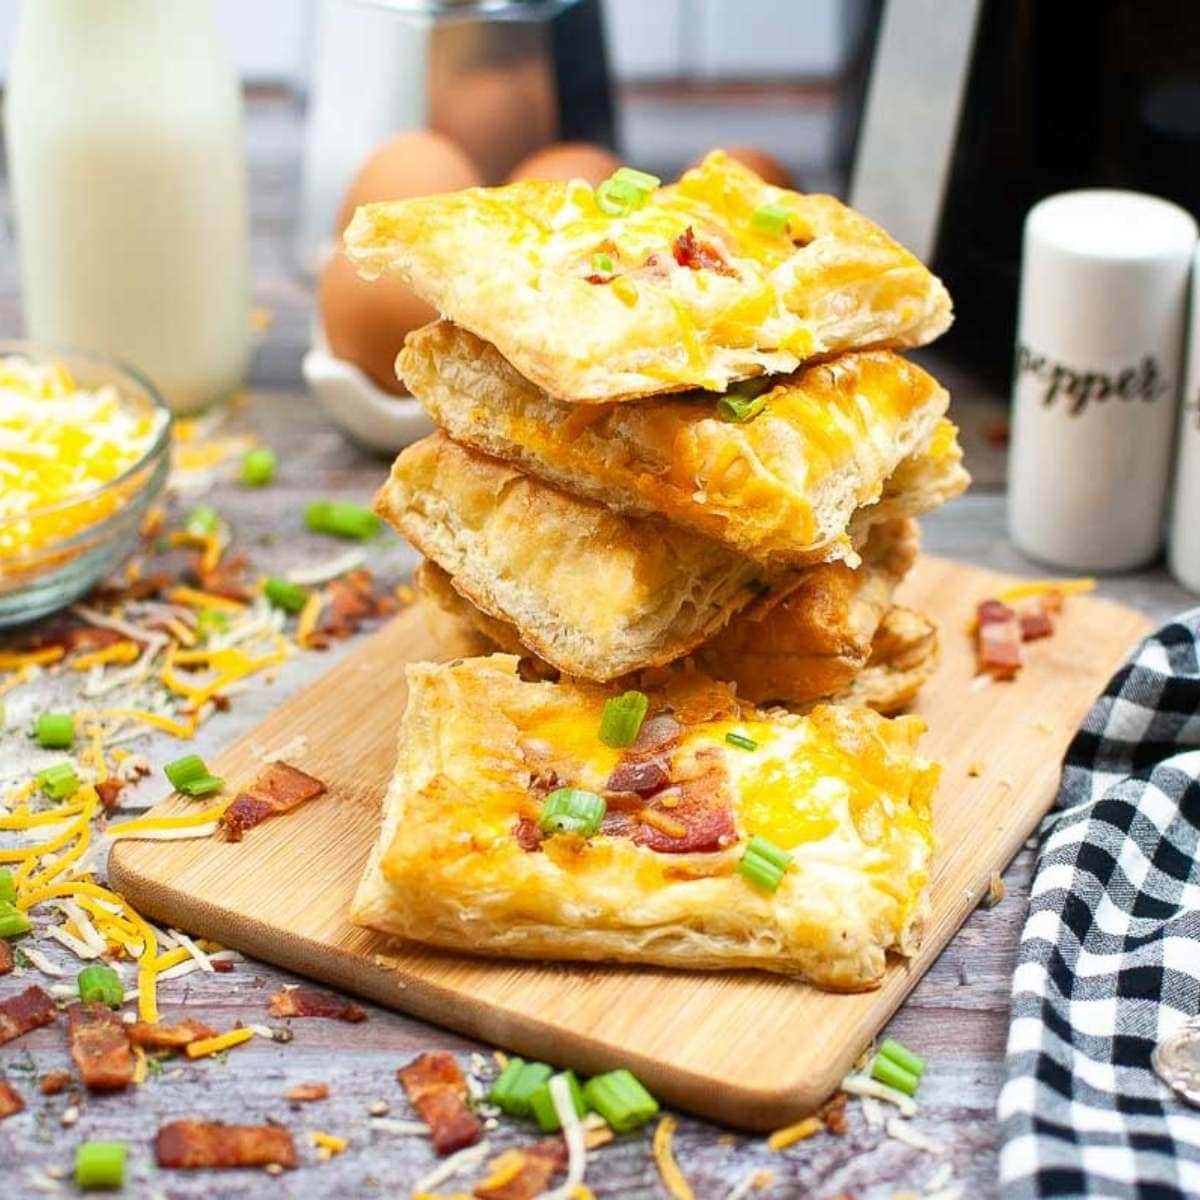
<point x="59" y="781"/>
<point x="282" y="593"/>
<point x="185" y="770"/>
<point x="741" y="741"/>
<point x="100" y="1164"/>
<point x="620" y="1099"/>
<point x="771" y="218"/>
<point x="211" y="620"/>
<point x="513" y="1098"/>
<point x="341" y="519"/>
<point x="101" y="985"/>
<point x="602" y="264"/>
<point x="902" y="1056"/>
<point x="204" y="786"/>
<point x="8" y="889"/>
<point x="258" y="467"/>
<point x="894" y="1075"/>
<point x="502" y="1085"/>
<point x="13" y="922"/>
<point x="621" y="721"/>
<point x="55" y="731"/>
<point x="572" y="810"/>
<point x="642" y="180"/>
<point x="764" y="863"/>
<point x="541" y="1103"/>
<point x="203" y="519"/>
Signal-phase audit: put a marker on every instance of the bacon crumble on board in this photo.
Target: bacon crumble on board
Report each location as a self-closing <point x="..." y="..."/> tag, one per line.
<point x="100" y="1047"/>
<point x="26" y="1010"/>
<point x="108" y="790"/>
<point x="436" y="1088"/>
<point x="307" y="1093"/>
<point x="161" y="1036"/>
<point x="6" y="958"/>
<point x="10" y="1100"/>
<point x="1001" y="628"/>
<point x="524" y="1172"/>
<point x="278" y="789"/>
<point x="194" y="1145"/>
<point x="307" y="1002"/>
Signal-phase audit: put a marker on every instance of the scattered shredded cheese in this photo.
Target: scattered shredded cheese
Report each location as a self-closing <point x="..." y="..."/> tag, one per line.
<point x="668" y="1168"/>
<point x="327" y="1143"/>
<point x="214" y="1045"/>
<point x="905" y="1133"/>
<point x="119" y="652"/>
<point x="863" y="1085"/>
<point x="1039" y="587"/>
<point x="33" y="658"/>
<point x="457" y="1164"/>
<point x="790" y="1134"/>
<point x="572" y="1131"/>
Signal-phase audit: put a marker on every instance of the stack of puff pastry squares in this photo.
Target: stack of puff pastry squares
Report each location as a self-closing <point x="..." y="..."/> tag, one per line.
<point x="677" y="451"/>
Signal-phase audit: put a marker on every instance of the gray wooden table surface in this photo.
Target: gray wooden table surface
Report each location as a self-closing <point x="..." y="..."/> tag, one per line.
<point x="956" y="1016"/>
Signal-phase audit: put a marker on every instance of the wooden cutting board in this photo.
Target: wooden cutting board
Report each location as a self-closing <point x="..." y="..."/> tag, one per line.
<point x="750" y="1050"/>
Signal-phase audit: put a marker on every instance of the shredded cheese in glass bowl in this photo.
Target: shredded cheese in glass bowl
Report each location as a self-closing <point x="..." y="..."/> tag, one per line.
<point x="84" y="450"/>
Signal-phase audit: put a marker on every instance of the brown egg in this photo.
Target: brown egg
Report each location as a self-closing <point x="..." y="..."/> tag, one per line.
<point x="417" y="163"/>
<point x="567" y="160"/>
<point x="767" y="168"/>
<point x="366" y="321"/>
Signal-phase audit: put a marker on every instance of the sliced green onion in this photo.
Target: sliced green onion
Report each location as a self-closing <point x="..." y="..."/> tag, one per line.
<point x="55" y="731"/>
<point x="602" y="264"/>
<point x="618" y="198"/>
<point x="764" y="863"/>
<point x="282" y="593"/>
<point x="512" y="1091"/>
<point x="258" y="467"/>
<point x="894" y="1075"/>
<point x="902" y="1056"/>
<point x="620" y="1099"/>
<point x="100" y="1164"/>
<point x="642" y="180"/>
<point x="185" y="770"/>
<point x="13" y="922"/>
<point x="59" y="781"/>
<point x="621" y="721"/>
<point x="212" y="620"/>
<point x="736" y="408"/>
<point x="741" y="741"/>
<point x="203" y="519"/>
<point x="572" y="810"/>
<point x="204" y="786"/>
<point x="101" y="985"/>
<point x="341" y="519"/>
<point x="541" y="1103"/>
<point x="771" y="218"/>
<point x="8" y="889"/>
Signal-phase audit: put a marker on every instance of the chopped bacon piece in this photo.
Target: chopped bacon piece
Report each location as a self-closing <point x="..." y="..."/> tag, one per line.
<point x="437" y="1090"/>
<point x="833" y="1113"/>
<point x="145" y="588"/>
<point x="6" y="958"/>
<point x="25" y="1011"/>
<point x="657" y="734"/>
<point x="1037" y="614"/>
<point x="690" y="252"/>
<point x="225" y="579"/>
<point x="534" y="1165"/>
<point x="100" y="1047"/>
<point x="54" y="1083"/>
<point x="640" y="775"/>
<point x="222" y="966"/>
<point x="192" y="1145"/>
<point x="527" y="833"/>
<point x="307" y="1092"/>
<point x="307" y="1002"/>
<point x="278" y="789"/>
<point x="108" y="790"/>
<point x="10" y="1100"/>
<point x="700" y="806"/>
<point x="352" y="600"/>
<point x="998" y="640"/>
<point x="161" y="1036"/>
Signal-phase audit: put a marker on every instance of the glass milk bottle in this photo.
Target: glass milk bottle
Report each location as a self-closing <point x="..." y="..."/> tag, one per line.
<point x="126" y="154"/>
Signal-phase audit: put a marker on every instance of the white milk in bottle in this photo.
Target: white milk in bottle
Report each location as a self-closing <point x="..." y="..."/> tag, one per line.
<point x="126" y="155"/>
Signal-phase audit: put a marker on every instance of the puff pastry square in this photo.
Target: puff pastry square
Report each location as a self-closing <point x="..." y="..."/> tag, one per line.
<point x="461" y="863"/>
<point x="781" y="488"/>
<point x="595" y="593"/>
<point x="699" y="296"/>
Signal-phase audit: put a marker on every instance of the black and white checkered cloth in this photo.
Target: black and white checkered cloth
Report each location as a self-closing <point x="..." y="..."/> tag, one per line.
<point x="1110" y="956"/>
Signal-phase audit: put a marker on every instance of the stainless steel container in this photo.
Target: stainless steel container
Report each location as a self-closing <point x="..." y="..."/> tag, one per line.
<point x="500" y="77"/>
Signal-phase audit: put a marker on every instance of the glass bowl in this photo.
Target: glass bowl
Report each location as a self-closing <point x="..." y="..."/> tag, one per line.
<point x="102" y="524"/>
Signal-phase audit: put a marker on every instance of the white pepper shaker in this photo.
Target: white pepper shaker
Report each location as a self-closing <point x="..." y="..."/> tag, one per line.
<point x="1096" y="380"/>
<point x="1183" y="551"/>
